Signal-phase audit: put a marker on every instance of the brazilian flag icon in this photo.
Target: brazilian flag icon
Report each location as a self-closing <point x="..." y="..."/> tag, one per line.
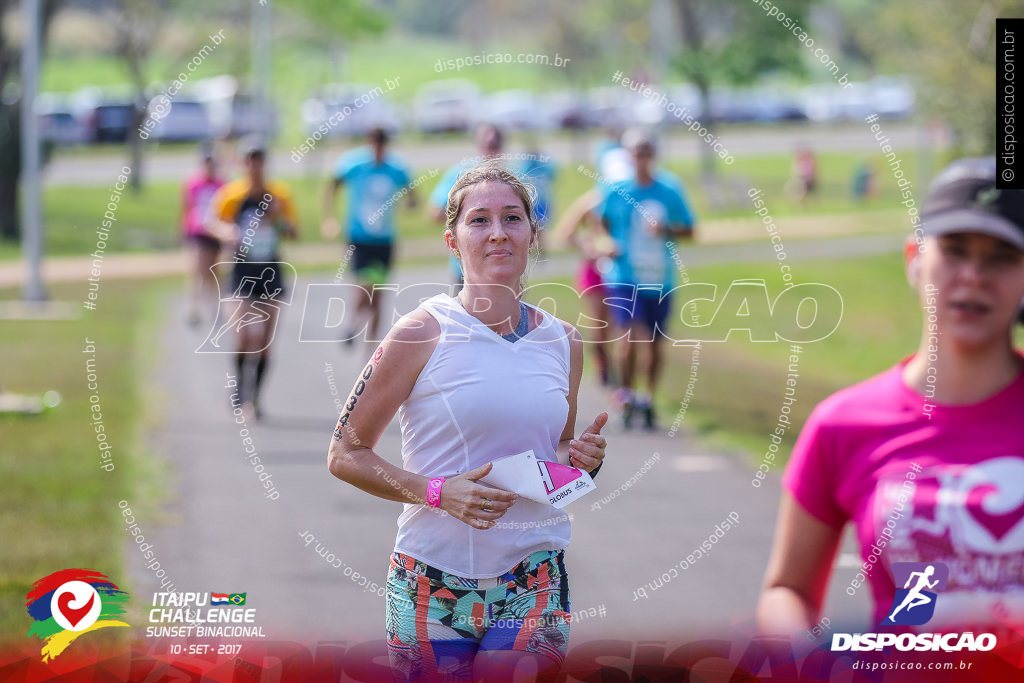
<point x="237" y="598"/>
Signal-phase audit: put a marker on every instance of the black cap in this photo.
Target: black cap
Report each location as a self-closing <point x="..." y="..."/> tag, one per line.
<point x="964" y="198"/>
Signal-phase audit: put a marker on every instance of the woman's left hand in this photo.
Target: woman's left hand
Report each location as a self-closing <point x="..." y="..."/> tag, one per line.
<point x="587" y="452"/>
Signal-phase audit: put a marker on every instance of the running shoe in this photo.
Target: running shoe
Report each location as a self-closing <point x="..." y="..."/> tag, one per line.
<point x="649" y="417"/>
<point x="628" y="410"/>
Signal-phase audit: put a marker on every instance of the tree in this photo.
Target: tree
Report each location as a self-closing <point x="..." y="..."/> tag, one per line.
<point x="10" y="116"/>
<point x="948" y="47"/>
<point x="734" y="41"/>
<point x="136" y="24"/>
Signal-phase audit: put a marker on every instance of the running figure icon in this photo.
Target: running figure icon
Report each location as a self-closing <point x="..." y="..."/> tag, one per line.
<point x="915" y="597"/>
<point x="254" y="313"/>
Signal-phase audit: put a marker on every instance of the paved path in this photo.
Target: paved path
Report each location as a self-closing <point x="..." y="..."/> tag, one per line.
<point x="221" y="534"/>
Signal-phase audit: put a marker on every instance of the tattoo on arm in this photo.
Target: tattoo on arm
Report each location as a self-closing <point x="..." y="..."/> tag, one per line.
<point x="353" y="399"/>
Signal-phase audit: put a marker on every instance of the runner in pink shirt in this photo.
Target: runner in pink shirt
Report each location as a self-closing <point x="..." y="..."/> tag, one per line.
<point x="926" y="460"/>
<point x="197" y="192"/>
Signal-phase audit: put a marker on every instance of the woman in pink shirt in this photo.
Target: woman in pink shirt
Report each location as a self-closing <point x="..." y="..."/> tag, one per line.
<point x="927" y="458"/>
<point x="197" y="192"/>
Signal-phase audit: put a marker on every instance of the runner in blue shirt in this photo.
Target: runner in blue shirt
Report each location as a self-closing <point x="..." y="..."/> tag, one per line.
<point x="489" y="141"/>
<point x="643" y="215"/>
<point x="375" y="181"/>
<point x="538" y="170"/>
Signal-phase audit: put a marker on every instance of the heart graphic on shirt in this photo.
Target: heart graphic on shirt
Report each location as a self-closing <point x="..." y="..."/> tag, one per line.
<point x="997" y="524"/>
<point x="72" y="614"/>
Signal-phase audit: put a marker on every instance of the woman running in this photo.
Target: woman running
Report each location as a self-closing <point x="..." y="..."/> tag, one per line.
<point x="477" y="580"/>
<point x="254" y="213"/>
<point x="927" y="458"/>
<point x="196" y="194"/>
<point x="581" y="228"/>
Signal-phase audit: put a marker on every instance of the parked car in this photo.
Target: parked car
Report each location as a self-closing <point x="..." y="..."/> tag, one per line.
<point x="234" y="112"/>
<point x="58" y="124"/>
<point x="772" y="105"/>
<point x="566" y="109"/>
<point x="446" y="106"/>
<point x="821" y="102"/>
<point x="110" y="120"/>
<point x="610" y="107"/>
<point x="892" y="97"/>
<point x="350" y="109"/>
<point x="686" y="97"/>
<point x="728" y="105"/>
<point x="184" y="121"/>
<point x="854" y="103"/>
<point x="512" y="110"/>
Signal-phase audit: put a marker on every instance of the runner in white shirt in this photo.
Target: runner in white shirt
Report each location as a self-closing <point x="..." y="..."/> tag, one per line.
<point x="477" y="581"/>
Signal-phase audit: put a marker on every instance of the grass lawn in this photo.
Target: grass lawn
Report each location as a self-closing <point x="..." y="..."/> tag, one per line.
<point x="740" y="384"/>
<point x="58" y="503"/>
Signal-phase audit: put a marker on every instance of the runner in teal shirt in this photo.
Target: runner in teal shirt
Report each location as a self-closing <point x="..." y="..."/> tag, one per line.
<point x="643" y="216"/>
<point x="375" y="181"/>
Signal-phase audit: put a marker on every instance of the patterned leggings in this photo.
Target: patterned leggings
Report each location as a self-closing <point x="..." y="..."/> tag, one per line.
<point x="437" y="622"/>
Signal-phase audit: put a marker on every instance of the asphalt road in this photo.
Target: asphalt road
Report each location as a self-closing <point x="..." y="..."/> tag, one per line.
<point x="220" y="532"/>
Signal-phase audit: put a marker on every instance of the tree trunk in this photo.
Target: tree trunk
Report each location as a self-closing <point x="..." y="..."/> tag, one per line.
<point x="10" y="229"/>
<point x="10" y="124"/>
<point x="135" y="149"/>
<point x="10" y="170"/>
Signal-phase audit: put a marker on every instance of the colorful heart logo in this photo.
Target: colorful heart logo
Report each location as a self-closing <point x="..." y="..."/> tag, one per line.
<point x="72" y="614"/>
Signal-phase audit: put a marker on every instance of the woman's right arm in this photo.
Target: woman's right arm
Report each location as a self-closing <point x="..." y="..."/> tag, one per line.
<point x="380" y="389"/>
<point x="798" y="571"/>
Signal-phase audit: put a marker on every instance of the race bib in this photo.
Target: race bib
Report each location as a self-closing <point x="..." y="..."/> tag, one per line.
<point x="645" y="252"/>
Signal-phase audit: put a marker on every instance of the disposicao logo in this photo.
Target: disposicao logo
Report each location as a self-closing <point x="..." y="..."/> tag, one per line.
<point x="914" y="605"/>
<point x="68" y="603"/>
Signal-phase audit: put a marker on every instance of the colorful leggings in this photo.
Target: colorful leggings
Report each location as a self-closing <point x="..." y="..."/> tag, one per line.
<point x="437" y="622"/>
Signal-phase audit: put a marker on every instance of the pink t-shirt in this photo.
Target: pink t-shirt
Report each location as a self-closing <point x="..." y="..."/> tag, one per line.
<point x="197" y="193"/>
<point x="949" y="488"/>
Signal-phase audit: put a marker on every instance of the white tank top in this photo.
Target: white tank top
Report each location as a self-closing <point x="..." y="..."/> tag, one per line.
<point x="478" y="398"/>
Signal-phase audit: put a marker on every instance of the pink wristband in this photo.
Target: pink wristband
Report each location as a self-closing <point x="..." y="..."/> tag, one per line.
<point x="434" y="492"/>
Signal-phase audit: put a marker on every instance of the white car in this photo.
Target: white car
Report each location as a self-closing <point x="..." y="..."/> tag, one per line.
<point x="513" y="110"/>
<point x="447" y="105"/>
<point x="185" y="120"/>
<point x="350" y="109"/>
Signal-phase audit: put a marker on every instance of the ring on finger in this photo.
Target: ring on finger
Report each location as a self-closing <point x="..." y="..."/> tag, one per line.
<point x="485" y="505"/>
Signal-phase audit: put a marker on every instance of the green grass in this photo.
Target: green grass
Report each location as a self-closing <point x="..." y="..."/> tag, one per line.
<point x="59" y="507"/>
<point x="740" y="384"/>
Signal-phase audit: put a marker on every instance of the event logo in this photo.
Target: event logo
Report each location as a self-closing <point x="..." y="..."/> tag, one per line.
<point x="68" y="603"/>
<point x="914" y="604"/>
